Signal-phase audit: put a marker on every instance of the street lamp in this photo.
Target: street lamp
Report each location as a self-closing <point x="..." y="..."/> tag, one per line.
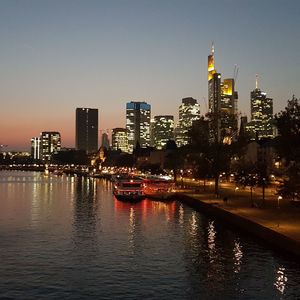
<point x="278" y="201"/>
<point x="278" y="206"/>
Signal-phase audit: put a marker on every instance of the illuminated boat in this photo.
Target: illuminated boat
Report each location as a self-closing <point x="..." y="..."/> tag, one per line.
<point x="128" y="189"/>
<point x="158" y="188"/>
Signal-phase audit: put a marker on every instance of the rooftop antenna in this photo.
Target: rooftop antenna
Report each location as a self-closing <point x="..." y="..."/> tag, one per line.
<point x="235" y="72"/>
<point x="256" y="81"/>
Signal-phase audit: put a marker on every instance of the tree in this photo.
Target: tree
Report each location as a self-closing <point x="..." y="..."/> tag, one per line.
<point x="207" y="143"/>
<point x="174" y="158"/>
<point x="288" y="146"/>
<point x="288" y="125"/>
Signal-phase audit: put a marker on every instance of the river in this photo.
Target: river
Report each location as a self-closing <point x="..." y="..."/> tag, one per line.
<point x="64" y="237"/>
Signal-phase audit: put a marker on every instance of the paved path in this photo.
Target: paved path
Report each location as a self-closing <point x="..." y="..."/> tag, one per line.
<point x="284" y="219"/>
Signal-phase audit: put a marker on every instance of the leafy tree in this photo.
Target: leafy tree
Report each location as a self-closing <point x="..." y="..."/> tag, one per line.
<point x="246" y="174"/>
<point x="214" y="155"/>
<point x="288" y="146"/>
<point x="174" y="158"/>
<point x="78" y="157"/>
<point x="291" y="186"/>
<point x="288" y="125"/>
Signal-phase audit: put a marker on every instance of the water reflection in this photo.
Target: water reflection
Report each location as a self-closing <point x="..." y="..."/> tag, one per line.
<point x="211" y="237"/>
<point x="193" y="224"/>
<point x="132" y="227"/>
<point x="237" y="255"/>
<point x="181" y="214"/>
<point x="85" y="214"/>
<point x="87" y="245"/>
<point x="281" y="280"/>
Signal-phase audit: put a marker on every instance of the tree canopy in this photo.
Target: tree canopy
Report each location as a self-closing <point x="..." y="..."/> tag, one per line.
<point x="288" y="147"/>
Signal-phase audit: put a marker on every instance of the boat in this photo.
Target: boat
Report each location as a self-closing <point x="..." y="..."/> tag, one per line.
<point x="58" y="172"/>
<point x="158" y="188"/>
<point x="128" y="189"/>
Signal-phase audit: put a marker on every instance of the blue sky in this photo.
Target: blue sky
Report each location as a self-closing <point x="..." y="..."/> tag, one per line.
<point x="59" y="55"/>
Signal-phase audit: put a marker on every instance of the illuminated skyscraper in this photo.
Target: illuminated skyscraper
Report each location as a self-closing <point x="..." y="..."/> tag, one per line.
<point x="228" y="108"/>
<point x="222" y="104"/>
<point x="87" y="129"/>
<point x="163" y="130"/>
<point x="36" y="148"/>
<point x="214" y="84"/>
<point x="119" y="139"/>
<point x="261" y="124"/>
<point x="50" y="143"/>
<point x="189" y="111"/>
<point x="138" y="124"/>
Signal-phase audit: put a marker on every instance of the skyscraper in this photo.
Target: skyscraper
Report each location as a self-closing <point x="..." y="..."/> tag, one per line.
<point x="138" y="124"/>
<point x="119" y="139"/>
<point x="105" y="141"/>
<point x="189" y="111"/>
<point x="51" y="143"/>
<point x="163" y="130"/>
<point x="222" y="104"/>
<point x="87" y="129"/>
<point x="36" y="148"/>
<point x="261" y="124"/>
<point x="228" y="108"/>
<point x="214" y="84"/>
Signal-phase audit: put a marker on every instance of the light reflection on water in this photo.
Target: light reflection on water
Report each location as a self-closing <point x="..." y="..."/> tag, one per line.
<point x="68" y="237"/>
<point x="238" y="255"/>
<point x="281" y="280"/>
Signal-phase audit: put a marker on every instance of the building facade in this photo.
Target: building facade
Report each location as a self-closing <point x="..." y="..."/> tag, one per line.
<point x="119" y="139"/>
<point x="87" y="129"/>
<point x="189" y="111"/>
<point x="105" y="141"/>
<point x="228" y="108"/>
<point x="163" y="130"/>
<point x="50" y="143"/>
<point x="36" y="148"/>
<point x="138" y="116"/>
<point x="222" y="104"/>
<point x="261" y="124"/>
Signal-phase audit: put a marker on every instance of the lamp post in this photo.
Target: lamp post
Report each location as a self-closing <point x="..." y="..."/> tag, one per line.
<point x="278" y="207"/>
<point x="263" y="189"/>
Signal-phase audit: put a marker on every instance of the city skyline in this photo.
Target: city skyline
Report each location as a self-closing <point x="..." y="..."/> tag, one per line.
<point x="57" y="56"/>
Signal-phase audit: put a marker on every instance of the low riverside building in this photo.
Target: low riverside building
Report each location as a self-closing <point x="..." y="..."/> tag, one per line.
<point x="262" y="154"/>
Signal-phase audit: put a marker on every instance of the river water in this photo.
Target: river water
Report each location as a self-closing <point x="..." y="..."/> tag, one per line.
<point x="68" y="238"/>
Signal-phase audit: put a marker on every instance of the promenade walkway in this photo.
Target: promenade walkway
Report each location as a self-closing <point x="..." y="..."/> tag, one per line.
<point x="281" y="216"/>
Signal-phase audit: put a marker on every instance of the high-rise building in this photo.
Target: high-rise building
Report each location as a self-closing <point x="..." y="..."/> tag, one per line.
<point x="228" y="108"/>
<point x="163" y="130"/>
<point x="36" y="148"/>
<point x="222" y="104"/>
<point x="189" y="111"/>
<point x="87" y="129"/>
<point x="152" y="132"/>
<point x="261" y="124"/>
<point x="243" y="124"/>
<point x="119" y="139"/>
<point x="51" y="143"/>
<point x="138" y="124"/>
<point x="214" y="84"/>
<point x="105" y="141"/>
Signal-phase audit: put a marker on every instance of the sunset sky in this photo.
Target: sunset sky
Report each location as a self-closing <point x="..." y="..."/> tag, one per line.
<point x="59" y="55"/>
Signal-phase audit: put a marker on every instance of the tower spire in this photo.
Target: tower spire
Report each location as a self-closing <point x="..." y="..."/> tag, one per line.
<point x="212" y="48"/>
<point x="256" y="81"/>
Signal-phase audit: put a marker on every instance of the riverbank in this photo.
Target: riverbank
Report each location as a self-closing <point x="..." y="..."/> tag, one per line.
<point x="279" y="226"/>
